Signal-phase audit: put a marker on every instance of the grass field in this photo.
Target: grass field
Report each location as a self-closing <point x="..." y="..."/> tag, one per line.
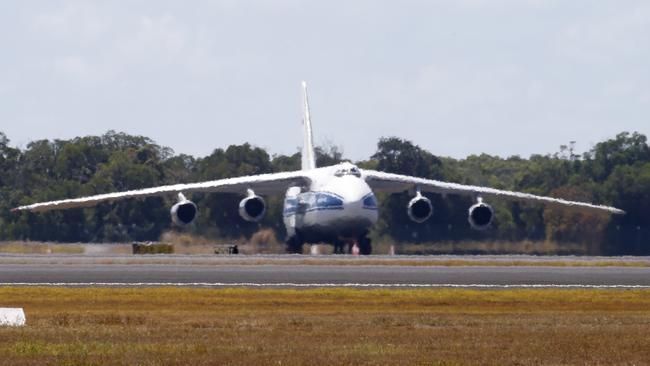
<point x="181" y="326"/>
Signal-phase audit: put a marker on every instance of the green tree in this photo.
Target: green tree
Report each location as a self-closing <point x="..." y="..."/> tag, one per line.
<point x="625" y="149"/>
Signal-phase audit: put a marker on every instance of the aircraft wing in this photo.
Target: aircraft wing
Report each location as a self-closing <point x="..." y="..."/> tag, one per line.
<point x="392" y="183"/>
<point x="274" y="183"/>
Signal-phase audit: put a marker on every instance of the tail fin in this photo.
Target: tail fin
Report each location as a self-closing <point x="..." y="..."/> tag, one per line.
<point x="308" y="155"/>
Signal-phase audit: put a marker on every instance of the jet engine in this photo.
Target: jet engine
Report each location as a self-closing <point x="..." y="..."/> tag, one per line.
<point x="420" y="208"/>
<point x="480" y="215"/>
<point x="183" y="212"/>
<point x="252" y="208"/>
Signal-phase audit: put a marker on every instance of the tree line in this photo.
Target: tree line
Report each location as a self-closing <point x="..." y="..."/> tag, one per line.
<point x="614" y="172"/>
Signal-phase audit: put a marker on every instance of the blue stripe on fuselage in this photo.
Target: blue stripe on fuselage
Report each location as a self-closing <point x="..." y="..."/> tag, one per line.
<point x="312" y="201"/>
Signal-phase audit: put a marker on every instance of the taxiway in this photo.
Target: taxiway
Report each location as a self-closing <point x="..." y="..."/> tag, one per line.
<point x="184" y="271"/>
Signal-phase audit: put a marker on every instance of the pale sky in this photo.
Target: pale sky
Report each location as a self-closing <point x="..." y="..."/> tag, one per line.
<point x="456" y="77"/>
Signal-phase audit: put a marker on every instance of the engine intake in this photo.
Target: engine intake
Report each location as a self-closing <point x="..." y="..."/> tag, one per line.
<point x="420" y="208"/>
<point x="480" y="215"/>
<point x="184" y="212"/>
<point x="252" y="208"/>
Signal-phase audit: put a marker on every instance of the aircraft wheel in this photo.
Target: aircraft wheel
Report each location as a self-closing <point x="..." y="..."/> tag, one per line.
<point x="365" y="246"/>
<point x="294" y="245"/>
<point x="339" y="247"/>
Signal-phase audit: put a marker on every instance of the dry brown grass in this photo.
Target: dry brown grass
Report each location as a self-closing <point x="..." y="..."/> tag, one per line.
<point x="262" y="242"/>
<point x="180" y="326"/>
<point x="185" y="243"/>
<point x="20" y="247"/>
<point x="265" y="242"/>
<point x="186" y="239"/>
<point x="497" y="247"/>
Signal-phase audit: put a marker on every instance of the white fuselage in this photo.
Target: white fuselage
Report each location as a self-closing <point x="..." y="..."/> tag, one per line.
<point x="338" y="205"/>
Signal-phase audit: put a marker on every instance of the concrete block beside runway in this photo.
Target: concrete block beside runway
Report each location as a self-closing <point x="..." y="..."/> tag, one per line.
<point x="13" y="317"/>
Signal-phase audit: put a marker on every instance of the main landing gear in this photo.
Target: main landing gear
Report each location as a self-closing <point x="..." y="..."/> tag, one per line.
<point x="339" y="246"/>
<point x="363" y="243"/>
<point x="365" y="246"/>
<point x="294" y="244"/>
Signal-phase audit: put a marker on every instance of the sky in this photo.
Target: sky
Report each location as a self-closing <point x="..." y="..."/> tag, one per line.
<point x="455" y="77"/>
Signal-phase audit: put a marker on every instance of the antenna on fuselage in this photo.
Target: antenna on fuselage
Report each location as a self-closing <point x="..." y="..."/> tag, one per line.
<point x="308" y="155"/>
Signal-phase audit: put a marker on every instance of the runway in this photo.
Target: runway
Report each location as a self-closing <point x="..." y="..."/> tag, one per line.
<point x="95" y="273"/>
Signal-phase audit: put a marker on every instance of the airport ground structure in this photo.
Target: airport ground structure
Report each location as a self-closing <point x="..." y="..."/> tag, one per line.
<point x="615" y="172"/>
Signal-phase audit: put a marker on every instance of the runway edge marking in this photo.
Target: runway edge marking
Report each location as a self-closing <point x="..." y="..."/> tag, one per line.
<point x="290" y="284"/>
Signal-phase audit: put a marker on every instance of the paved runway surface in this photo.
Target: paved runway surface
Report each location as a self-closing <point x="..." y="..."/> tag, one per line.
<point x="143" y="274"/>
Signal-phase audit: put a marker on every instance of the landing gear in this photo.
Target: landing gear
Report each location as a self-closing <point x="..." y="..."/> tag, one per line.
<point x="365" y="246"/>
<point x="360" y="246"/>
<point x="294" y="245"/>
<point x="339" y="247"/>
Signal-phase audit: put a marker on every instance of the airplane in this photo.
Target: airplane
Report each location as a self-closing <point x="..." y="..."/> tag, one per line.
<point x="334" y="204"/>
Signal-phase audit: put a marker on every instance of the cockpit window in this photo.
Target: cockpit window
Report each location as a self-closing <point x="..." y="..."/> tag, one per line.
<point x="348" y="171"/>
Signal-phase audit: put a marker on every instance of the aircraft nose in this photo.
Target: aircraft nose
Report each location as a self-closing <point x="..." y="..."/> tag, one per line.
<point x="354" y="191"/>
<point x="359" y="205"/>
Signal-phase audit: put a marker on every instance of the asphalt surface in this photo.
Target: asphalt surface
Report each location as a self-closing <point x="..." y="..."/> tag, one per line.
<point x="297" y="275"/>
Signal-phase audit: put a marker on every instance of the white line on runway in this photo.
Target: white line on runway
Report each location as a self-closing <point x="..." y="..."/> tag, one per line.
<point x="289" y="284"/>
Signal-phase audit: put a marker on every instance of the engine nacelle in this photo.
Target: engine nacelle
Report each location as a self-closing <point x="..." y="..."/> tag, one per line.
<point x="420" y="208"/>
<point x="252" y="208"/>
<point x="184" y="212"/>
<point x="480" y="215"/>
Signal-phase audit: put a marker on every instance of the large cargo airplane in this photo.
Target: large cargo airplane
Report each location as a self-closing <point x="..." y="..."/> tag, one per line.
<point x="334" y="204"/>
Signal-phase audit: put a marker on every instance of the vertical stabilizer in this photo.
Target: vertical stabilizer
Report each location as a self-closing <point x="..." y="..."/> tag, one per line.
<point x="308" y="155"/>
